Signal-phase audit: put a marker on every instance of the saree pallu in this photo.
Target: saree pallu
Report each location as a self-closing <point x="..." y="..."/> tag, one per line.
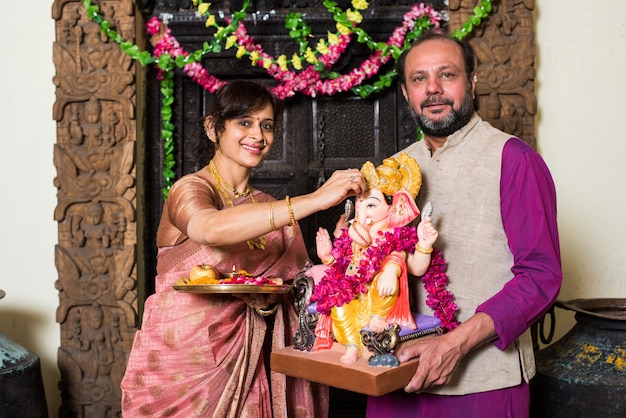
<point x="202" y="355"/>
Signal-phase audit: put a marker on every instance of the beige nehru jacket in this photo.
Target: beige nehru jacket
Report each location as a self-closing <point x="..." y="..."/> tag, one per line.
<point x="462" y="180"/>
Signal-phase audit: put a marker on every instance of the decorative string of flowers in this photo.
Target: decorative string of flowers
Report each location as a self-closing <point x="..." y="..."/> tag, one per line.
<point x="337" y="288"/>
<point x="312" y="73"/>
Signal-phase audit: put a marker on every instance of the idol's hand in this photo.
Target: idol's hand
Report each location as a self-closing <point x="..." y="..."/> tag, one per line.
<point x="426" y="233"/>
<point x="388" y="280"/>
<point x="342" y="224"/>
<point x="323" y="244"/>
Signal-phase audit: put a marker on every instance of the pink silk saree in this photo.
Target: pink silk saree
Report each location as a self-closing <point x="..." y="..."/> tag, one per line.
<point x="202" y="355"/>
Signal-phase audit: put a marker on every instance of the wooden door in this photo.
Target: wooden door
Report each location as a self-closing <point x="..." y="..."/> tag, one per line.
<point x="314" y="137"/>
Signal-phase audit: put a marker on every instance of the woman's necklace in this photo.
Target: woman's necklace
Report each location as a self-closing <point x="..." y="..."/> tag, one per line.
<point x="252" y="244"/>
<point x="220" y="180"/>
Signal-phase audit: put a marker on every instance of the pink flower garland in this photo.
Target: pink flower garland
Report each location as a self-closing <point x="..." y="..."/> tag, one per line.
<point x="439" y="298"/>
<point x="307" y="81"/>
<point x="337" y="288"/>
<point x="168" y="44"/>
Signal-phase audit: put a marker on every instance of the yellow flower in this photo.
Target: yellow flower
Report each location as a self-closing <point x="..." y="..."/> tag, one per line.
<point x="354" y="16"/>
<point x="210" y="21"/>
<point x="241" y="51"/>
<point x="321" y="47"/>
<point x="195" y="2"/>
<point x="310" y="56"/>
<point x="343" y="29"/>
<point x="267" y="63"/>
<point x="254" y="57"/>
<point x="282" y="62"/>
<point x="333" y="39"/>
<point x="296" y="62"/>
<point x="360" y="4"/>
<point x="219" y="30"/>
<point x="203" y="8"/>
<point x="230" y="41"/>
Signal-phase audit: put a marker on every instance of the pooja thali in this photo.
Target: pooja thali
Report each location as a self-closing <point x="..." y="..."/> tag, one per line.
<point x="184" y="285"/>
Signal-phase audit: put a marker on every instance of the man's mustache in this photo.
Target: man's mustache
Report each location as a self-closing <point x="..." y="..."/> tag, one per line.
<point x="435" y="100"/>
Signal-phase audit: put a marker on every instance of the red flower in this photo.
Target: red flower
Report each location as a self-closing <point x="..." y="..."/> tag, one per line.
<point x="337" y="288"/>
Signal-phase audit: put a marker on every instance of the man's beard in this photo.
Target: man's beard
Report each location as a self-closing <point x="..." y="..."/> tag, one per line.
<point x="451" y="123"/>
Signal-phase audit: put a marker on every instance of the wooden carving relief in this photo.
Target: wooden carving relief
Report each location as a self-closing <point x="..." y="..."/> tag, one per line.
<point x="96" y="157"/>
<point x="96" y="209"/>
<point x="505" y="49"/>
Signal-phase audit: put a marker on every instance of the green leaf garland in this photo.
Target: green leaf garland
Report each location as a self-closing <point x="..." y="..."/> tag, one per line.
<point x="299" y="31"/>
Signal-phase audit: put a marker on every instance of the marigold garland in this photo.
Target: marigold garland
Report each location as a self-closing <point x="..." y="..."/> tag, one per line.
<point x="337" y="288"/>
<point x="316" y="78"/>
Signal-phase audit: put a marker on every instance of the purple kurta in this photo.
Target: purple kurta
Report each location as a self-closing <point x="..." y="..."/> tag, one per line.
<point x="528" y="210"/>
<point x="529" y="218"/>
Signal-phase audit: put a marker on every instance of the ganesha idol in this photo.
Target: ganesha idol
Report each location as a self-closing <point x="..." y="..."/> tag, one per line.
<point x="365" y="283"/>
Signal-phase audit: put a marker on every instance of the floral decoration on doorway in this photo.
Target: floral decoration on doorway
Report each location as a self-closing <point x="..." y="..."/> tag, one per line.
<point x="308" y="71"/>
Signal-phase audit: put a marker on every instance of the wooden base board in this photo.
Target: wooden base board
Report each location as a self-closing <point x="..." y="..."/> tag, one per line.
<point x="325" y="367"/>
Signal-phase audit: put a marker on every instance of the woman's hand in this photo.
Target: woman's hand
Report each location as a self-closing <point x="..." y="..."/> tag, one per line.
<point x="341" y="185"/>
<point x="258" y="300"/>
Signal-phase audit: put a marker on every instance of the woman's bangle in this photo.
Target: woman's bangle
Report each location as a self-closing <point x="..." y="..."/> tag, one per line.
<point x="330" y="261"/>
<point x="292" y="219"/>
<point x="422" y="250"/>
<point x="267" y="312"/>
<point x="271" y="216"/>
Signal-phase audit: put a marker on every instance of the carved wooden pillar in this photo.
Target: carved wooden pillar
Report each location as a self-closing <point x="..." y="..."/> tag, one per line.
<point x="505" y="48"/>
<point x="96" y="210"/>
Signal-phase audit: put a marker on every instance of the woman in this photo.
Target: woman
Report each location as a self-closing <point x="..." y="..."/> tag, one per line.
<point x="204" y="355"/>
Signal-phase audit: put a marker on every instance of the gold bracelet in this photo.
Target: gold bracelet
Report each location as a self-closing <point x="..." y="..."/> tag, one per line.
<point x="267" y="312"/>
<point x="271" y="216"/>
<point x="422" y="250"/>
<point x="396" y="266"/>
<point x="292" y="219"/>
<point x="330" y="261"/>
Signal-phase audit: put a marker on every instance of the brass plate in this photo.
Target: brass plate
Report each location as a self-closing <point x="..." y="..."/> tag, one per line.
<point x="232" y="288"/>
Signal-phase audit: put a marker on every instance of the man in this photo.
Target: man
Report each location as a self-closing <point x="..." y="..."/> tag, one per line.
<point x="495" y="208"/>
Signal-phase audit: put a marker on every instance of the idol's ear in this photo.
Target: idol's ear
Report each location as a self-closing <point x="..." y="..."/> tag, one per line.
<point x="403" y="209"/>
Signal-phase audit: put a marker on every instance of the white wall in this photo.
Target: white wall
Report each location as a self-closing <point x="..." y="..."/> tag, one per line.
<point x="27" y="136"/>
<point x="581" y="47"/>
<point x="581" y="88"/>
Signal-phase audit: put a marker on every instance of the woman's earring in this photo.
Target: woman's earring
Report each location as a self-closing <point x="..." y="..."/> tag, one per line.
<point x="264" y="142"/>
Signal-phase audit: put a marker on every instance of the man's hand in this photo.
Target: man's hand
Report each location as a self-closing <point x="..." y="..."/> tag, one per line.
<point x="440" y="356"/>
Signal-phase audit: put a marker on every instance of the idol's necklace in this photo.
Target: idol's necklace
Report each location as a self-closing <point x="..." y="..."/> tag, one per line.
<point x="223" y="183"/>
<point x="252" y="244"/>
